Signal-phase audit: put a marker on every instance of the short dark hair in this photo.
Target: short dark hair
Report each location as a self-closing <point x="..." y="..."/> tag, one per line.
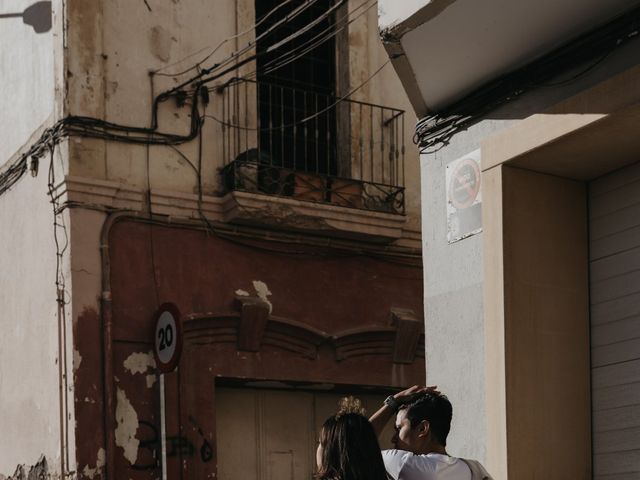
<point x="436" y="409"/>
<point x="350" y="449"/>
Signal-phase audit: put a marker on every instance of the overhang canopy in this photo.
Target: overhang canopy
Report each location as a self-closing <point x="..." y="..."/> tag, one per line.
<point x="445" y="49"/>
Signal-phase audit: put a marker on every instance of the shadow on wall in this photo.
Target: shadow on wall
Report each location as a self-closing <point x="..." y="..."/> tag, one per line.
<point x="37" y="16"/>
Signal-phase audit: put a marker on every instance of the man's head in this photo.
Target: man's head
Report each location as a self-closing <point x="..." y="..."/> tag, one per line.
<point x="423" y="425"/>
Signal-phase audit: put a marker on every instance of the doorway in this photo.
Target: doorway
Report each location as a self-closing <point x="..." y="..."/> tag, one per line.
<point x="266" y="434"/>
<point x="614" y="231"/>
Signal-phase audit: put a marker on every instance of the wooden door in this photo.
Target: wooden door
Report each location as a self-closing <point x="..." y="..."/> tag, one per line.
<point x="273" y="434"/>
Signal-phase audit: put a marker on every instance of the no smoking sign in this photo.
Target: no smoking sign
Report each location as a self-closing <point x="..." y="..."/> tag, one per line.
<point x="465" y="183"/>
<point x="464" y="209"/>
<point x="167" y="337"/>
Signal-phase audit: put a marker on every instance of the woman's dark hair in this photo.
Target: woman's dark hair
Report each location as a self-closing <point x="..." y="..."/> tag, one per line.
<point x="350" y="450"/>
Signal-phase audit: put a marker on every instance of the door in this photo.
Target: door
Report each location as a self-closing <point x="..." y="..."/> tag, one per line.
<point x="266" y="434"/>
<point x="614" y="224"/>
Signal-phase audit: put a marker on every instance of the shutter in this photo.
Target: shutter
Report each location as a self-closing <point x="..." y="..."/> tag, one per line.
<point x="614" y="224"/>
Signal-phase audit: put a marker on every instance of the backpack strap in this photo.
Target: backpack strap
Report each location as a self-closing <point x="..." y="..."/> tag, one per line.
<point x="477" y="470"/>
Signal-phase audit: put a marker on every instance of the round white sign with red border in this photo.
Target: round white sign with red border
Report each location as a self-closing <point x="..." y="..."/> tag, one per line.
<point x="167" y="339"/>
<point x="465" y="183"/>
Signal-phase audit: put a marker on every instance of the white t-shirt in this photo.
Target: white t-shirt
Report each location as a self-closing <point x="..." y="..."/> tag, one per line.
<point x="403" y="465"/>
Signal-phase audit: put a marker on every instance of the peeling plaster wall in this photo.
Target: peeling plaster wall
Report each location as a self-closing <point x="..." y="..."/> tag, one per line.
<point x="27" y="77"/>
<point x="453" y="274"/>
<point x="29" y="400"/>
<point x="366" y="55"/>
<point x="112" y="47"/>
<point x="326" y="294"/>
<point x="86" y="269"/>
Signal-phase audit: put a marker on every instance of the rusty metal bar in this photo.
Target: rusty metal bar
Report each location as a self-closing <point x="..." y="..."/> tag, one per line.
<point x="327" y="116"/>
<point x="236" y="121"/>
<point x="246" y="117"/>
<point x="284" y="137"/>
<point x="225" y="156"/>
<point x="403" y="137"/>
<point x="306" y="134"/>
<point x="371" y="142"/>
<point x="258" y="123"/>
<point x="295" y="127"/>
<point x="317" y="133"/>
<point x="382" y="126"/>
<point x="360" y="142"/>
<point x="270" y="128"/>
<point x="282" y="122"/>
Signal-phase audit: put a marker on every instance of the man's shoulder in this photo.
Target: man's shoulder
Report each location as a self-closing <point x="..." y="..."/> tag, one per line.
<point x="478" y="472"/>
<point x="420" y="466"/>
<point x="404" y="465"/>
<point x="404" y="456"/>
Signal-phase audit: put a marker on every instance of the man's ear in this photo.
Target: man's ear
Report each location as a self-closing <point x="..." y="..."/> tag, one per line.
<point x="423" y="428"/>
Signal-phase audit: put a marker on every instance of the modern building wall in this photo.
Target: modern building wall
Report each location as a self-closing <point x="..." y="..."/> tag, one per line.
<point x="455" y="321"/>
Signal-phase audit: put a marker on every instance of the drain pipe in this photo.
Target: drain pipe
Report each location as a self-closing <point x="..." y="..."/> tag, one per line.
<point x="107" y="341"/>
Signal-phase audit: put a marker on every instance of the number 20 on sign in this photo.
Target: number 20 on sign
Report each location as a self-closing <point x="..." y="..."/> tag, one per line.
<point x="167" y="337"/>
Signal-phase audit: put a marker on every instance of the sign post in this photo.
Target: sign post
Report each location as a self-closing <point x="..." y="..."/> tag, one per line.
<point x="167" y="343"/>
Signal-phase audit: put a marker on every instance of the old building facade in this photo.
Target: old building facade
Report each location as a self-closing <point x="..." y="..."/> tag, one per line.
<point x="249" y="163"/>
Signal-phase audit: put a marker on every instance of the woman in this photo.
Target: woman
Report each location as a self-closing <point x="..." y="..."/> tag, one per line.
<point x="348" y="447"/>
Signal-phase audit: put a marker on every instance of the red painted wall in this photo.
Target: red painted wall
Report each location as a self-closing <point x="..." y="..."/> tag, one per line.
<point x="200" y="273"/>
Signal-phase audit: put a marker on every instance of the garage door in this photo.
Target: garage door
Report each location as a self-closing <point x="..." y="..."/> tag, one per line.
<point x="273" y="434"/>
<point x="614" y="218"/>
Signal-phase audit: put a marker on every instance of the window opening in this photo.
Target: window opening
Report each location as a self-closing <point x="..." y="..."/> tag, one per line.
<point x="298" y="89"/>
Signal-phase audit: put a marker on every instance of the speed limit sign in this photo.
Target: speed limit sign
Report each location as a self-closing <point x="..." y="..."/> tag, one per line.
<point x="167" y="337"/>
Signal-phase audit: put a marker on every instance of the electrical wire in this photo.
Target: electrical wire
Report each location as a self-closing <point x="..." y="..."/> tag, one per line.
<point x="202" y="78"/>
<point x="102" y="129"/>
<point x="312" y="116"/>
<point x="329" y="32"/>
<point x="220" y="45"/>
<point x="435" y="131"/>
<point x="286" y="58"/>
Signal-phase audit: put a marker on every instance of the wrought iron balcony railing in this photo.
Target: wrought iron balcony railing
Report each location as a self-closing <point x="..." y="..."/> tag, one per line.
<point x="312" y="147"/>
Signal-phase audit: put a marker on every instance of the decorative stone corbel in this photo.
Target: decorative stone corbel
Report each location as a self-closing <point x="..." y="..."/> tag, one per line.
<point x="254" y="314"/>
<point x="408" y="331"/>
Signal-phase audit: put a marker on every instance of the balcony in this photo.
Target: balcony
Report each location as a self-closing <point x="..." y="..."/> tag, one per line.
<point x="305" y="146"/>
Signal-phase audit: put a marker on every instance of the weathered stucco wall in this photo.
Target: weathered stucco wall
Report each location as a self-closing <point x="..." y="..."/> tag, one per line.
<point x="109" y="78"/>
<point x="366" y="55"/>
<point x="453" y="287"/>
<point x="29" y="352"/>
<point x="112" y="46"/>
<point x="30" y="422"/>
<point x="206" y="276"/>
<point x="27" y="79"/>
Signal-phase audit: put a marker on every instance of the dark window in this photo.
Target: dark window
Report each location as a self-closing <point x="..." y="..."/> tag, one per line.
<point x="292" y="90"/>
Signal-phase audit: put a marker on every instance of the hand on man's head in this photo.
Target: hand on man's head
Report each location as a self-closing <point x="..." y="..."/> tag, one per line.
<point x="413" y="393"/>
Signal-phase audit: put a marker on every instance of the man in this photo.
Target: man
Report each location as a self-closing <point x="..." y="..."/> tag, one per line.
<point x="422" y="423"/>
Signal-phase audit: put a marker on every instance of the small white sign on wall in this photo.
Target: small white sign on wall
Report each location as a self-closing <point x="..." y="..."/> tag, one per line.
<point x="464" y="199"/>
